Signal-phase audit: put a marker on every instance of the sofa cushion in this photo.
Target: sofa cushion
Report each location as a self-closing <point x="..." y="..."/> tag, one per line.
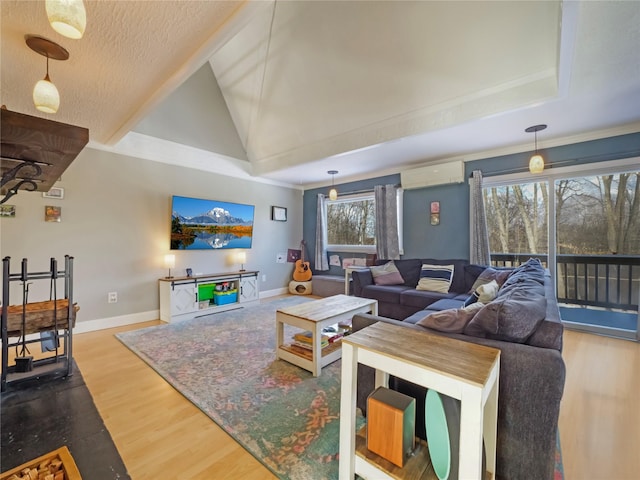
<point x="409" y="269"/>
<point x="422" y="298"/>
<point x="385" y="293"/>
<point x="513" y="317"/>
<point x="452" y="320"/>
<point x="490" y="274"/>
<point x="435" y="278"/>
<point x="387" y="274"/>
<point x="446" y="303"/>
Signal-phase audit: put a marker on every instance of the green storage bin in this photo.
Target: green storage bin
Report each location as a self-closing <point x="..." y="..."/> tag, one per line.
<point x="205" y="291"/>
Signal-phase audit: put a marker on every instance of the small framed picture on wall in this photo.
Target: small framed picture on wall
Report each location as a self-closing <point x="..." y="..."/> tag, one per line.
<point x="279" y="214"/>
<point x="435" y="213"/>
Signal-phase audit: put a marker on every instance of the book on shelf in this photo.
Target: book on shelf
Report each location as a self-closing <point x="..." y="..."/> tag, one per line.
<point x="308" y="346"/>
<point x="307" y="336"/>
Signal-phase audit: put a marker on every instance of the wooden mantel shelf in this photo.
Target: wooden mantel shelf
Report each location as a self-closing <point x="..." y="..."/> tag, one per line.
<point x="28" y="141"/>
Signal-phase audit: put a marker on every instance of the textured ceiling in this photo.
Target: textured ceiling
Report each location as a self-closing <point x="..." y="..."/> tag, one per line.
<point x="130" y="51"/>
<point x="362" y="87"/>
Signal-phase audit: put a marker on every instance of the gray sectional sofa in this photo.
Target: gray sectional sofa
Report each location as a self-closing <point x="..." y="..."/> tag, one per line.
<point x="522" y="321"/>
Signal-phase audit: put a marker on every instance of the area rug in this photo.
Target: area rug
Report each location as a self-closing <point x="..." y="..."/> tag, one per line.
<point x="225" y="364"/>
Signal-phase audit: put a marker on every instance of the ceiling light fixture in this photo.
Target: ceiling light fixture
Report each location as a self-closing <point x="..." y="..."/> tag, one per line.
<point x="536" y="162"/>
<point x="67" y="17"/>
<point x="333" y="193"/>
<point x="45" y="94"/>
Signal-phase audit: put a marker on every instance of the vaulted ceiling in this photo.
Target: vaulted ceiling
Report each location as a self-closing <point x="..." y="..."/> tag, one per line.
<point x="287" y="90"/>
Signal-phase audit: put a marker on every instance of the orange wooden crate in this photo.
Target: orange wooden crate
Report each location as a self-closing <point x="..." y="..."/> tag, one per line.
<point x="69" y="468"/>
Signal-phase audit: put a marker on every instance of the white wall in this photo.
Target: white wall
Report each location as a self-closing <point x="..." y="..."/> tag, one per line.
<point x="115" y="223"/>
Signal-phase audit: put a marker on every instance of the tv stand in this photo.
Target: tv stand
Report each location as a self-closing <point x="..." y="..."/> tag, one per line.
<point x="184" y="298"/>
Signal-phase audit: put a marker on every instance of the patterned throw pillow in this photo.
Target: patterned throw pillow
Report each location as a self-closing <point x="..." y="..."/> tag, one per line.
<point x="386" y="274"/>
<point x="435" y="278"/>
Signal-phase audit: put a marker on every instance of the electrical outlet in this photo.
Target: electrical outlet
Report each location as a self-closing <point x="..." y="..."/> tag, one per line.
<point x="264" y="277"/>
<point x="113" y="297"/>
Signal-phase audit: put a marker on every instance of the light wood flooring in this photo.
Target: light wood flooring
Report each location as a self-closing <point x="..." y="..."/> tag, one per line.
<point x="160" y="434"/>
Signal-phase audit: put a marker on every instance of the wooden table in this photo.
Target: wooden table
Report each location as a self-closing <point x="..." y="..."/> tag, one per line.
<point x="462" y="370"/>
<point x="314" y="316"/>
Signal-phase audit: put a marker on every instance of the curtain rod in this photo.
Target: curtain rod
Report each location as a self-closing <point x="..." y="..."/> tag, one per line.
<point x="369" y="190"/>
<point x="591" y="158"/>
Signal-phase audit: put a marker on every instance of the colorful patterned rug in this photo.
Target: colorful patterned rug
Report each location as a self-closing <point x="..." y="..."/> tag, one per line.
<point x="225" y="364"/>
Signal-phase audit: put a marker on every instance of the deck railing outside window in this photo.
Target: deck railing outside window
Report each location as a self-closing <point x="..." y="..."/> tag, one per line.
<point x="609" y="281"/>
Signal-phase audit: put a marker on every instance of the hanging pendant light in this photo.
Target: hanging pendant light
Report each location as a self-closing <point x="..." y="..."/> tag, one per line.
<point x="67" y="17"/>
<point x="536" y="162"/>
<point x="333" y="193"/>
<point x="45" y="94"/>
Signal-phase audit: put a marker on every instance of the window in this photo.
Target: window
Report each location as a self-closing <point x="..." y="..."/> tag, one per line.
<point x="351" y="223"/>
<point x="517" y="217"/>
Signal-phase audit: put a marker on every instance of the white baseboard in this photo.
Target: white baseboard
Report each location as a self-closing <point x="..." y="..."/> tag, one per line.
<point x="274" y="293"/>
<point x="119" y="321"/>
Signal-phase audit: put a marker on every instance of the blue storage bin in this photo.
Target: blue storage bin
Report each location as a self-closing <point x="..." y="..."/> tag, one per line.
<point x="224" y="298"/>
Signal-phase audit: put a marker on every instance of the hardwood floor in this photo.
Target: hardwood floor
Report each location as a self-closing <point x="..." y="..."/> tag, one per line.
<point x="600" y="411"/>
<point x="160" y="434"/>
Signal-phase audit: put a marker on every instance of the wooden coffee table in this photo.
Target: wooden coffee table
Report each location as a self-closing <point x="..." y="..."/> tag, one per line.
<point x="314" y="316"/>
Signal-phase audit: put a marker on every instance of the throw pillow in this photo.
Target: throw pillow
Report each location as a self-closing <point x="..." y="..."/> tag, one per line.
<point x="484" y="293"/>
<point x="435" y="278"/>
<point x="386" y="274"/>
<point x="512" y="318"/>
<point x="452" y="320"/>
<point x="489" y="274"/>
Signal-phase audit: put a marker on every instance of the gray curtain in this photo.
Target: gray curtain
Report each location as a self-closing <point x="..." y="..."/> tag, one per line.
<point x="321" y="263"/>
<point x="479" y="236"/>
<point x="387" y="244"/>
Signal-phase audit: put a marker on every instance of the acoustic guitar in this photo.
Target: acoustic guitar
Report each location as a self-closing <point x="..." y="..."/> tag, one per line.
<point x="302" y="271"/>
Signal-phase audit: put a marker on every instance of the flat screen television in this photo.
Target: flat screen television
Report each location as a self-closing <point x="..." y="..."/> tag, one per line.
<point x="199" y="224"/>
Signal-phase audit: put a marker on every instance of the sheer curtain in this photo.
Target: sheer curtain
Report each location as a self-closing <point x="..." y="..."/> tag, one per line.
<point x="387" y="244"/>
<point x="479" y="236"/>
<point x="321" y="261"/>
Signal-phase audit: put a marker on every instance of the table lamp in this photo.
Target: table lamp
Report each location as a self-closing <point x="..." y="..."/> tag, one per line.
<point x="169" y="262"/>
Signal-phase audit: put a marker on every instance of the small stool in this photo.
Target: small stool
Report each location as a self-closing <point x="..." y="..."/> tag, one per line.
<point x="300" y="288"/>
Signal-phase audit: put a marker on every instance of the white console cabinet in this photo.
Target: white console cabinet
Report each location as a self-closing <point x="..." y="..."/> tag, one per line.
<point x="184" y="298"/>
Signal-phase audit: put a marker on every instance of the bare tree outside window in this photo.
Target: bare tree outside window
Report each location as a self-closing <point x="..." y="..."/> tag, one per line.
<point x="599" y="215"/>
<point x="351" y="222"/>
<point x="517" y="218"/>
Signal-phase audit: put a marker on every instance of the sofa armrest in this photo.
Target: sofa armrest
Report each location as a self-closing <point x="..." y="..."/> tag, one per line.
<point x="361" y="278"/>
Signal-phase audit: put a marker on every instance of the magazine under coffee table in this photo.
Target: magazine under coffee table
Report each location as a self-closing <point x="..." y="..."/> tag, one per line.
<point x="314" y="316"/>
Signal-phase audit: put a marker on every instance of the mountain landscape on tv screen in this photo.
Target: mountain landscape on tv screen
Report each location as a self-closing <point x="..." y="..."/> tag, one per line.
<point x="215" y="216"/>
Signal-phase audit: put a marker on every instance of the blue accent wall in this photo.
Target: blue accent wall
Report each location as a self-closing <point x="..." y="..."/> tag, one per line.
<point x="450" y="239"/>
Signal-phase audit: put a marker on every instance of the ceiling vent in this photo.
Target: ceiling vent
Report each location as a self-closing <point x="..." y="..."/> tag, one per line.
<point x="441" y="174"/>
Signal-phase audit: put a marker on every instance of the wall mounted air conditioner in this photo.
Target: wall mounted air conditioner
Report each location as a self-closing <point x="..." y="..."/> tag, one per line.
<point x="440" y="174"/>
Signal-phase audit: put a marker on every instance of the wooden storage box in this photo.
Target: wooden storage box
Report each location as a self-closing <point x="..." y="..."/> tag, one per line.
<point x="391" y="424"/>
<point x="60" y="461"/>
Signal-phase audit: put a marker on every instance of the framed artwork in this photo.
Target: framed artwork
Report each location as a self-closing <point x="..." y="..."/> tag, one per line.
<point x="279" y="214"/>
<point x="435" y="213"/>
<point x="55" y="192"/>
<point x="435" y="219"/>
<point x="435" y="207"/>
<point x="7" y="210"/>
<point x="52" y="213"/>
